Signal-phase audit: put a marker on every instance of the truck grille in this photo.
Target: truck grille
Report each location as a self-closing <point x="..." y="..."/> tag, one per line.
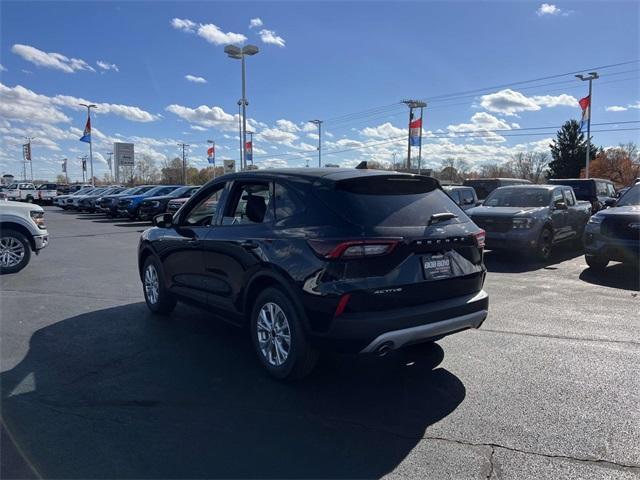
<point x="619" y="228"/>
<point x="493" y="224"/>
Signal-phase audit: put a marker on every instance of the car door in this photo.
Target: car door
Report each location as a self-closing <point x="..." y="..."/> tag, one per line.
<point x="468" y="198"/>
<point x="574" y="224"/>
<point x="558" y="215"/>
<point x="181" y="246"/>
<point x="236" y="245"/>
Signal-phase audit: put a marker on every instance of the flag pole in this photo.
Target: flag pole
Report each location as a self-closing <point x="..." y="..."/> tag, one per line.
<point x="592" y="76"/>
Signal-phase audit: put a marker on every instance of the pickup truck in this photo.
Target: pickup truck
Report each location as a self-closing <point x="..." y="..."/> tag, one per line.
<point x="531" y="218"/>
<point x="22" y="192"/>
<point x="47" y="192"/>
<point x="614" y="233"/>
<point x="22" y="230"/>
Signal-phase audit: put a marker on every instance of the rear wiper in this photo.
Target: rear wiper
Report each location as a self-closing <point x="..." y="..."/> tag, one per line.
<point x="440" y="217"/>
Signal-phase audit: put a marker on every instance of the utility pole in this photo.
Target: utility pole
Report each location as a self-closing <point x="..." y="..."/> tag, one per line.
<point x="184" y="163"/>
<point x="318" y="123"/>
<point x="413" y="104"/>
<point x="394" y="160"/>
<point x="89" y="107"/>
<point x="592" y="76"/>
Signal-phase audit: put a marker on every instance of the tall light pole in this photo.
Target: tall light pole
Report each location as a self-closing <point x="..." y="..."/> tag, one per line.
<point x="110" y="165"/>
<point x="238" y="53"/>
<point x="66" y="169"/>
<point x="590" y="78"/>
<point x="89" y="107"/>
<point x="413" y="104"/>
<point x="213" y="143"/>
<point x="184" y="163"/>
<point x="240" y="102"/>
<point x="318" y="123"/>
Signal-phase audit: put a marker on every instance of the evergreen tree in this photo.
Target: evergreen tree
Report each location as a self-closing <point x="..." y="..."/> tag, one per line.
<point x="569" y="152"/>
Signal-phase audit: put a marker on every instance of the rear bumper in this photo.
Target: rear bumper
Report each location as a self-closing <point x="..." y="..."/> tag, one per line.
<point x="366" y="332"/>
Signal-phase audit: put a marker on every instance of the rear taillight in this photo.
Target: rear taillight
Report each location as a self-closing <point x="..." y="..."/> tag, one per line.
<point x="480" y="238"/>
<point x="351" y="249"/>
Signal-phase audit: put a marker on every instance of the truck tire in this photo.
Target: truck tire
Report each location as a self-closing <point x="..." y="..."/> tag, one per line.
<point x="544" y="245"/>
<point x="15" y="251"/>
<point x="29" y="199"/>
<point x="278" y="336"/>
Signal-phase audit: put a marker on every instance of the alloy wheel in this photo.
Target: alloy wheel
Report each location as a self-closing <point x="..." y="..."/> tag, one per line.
<point x="151" y="284"/>
<point x="274" y="334"/>
<point x="11" y="252"/>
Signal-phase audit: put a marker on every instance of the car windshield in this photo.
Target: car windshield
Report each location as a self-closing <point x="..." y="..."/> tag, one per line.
<point x="631" y="197"/>
<point x="13" y="186"/>
<point x="160" y="190"/>
<point x="178" y="192"/>
<point x="583" y="190"/>
<point x="518" y="197"/>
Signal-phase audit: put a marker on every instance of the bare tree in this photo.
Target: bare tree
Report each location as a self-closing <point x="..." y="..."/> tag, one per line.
<point x="529" y="165"/>
<point x="146" y="170"/>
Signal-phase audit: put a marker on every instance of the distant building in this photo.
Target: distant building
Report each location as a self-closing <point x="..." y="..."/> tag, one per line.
<point x="7" y="179"/>
<point x="331" y="165"/>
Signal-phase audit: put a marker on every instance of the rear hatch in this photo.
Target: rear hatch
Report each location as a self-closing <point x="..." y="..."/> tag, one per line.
<point x="434" y="250"/>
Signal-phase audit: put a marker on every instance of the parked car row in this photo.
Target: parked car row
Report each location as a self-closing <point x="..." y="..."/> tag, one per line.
<point x="136" y="203"/>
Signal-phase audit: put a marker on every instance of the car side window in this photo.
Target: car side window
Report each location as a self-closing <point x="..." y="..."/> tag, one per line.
<point x="568" y="197"/>
<point x="249" y="203"/>
<point x="467" y="197"/>
<point x="557" y="196"/>
<point x="455" y="195"/>
<point x="205" y="211"/>
<point x="611" y="190"/>
<point x="286" y="202"/>
<point x="601" y="189"/>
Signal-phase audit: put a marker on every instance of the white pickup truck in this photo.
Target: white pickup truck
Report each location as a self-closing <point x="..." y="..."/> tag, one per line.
<point x="22" y="230"/>
<point x="22" y="192"/>
<point x="47" y="192"/>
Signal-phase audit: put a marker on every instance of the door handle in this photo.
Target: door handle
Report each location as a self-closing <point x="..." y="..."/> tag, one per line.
<point x="193" y="241"/>
<point x="248" y="244"/>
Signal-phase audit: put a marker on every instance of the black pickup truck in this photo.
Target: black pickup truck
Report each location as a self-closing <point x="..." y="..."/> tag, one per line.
<point x="531" y="218"/>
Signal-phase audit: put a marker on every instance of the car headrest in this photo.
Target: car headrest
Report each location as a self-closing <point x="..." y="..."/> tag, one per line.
<point x="256" y="208"/>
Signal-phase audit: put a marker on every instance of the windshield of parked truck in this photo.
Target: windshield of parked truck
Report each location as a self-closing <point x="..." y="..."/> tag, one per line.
<point x="631" y="197"/>
<point x="518" y="197"/>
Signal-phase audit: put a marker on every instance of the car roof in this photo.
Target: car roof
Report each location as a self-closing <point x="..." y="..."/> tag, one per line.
<point x="313" y="174"/>
<point x="457" y="187"/>
<point x="560" y="180"/>
<point x="530" y="186"/>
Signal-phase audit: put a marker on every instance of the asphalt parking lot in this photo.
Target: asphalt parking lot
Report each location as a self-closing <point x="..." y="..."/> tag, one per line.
<point x="94" y="387"/>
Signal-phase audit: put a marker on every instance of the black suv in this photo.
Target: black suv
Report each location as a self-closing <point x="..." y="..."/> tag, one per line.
<point x="598" y="191"/>
<point x="311" y="259"/>
<point x="614" y="233"/>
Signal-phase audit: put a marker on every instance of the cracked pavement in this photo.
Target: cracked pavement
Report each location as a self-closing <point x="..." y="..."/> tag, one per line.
<point x="93" y="386"/>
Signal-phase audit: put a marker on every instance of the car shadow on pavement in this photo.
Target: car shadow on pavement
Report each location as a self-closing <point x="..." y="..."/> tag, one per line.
<point x="616" y="275"/>
<point x="504" y="261"/>
<point x="116" y="393"/>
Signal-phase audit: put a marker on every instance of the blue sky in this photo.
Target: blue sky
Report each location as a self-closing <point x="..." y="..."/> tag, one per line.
<point x="329" y="60"/>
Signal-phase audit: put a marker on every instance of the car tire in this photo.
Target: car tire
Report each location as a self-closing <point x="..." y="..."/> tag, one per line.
<point x="13" y="243"/>
<point x="274" y="319"/>
<point x="158" y="298"/>
<point x="544" y="245"/>
<point x="596" y="262"/>
<point x="29" y="200"/>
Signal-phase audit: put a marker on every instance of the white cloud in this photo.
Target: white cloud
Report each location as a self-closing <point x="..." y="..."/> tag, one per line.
<point x="277" y="136"/>
<point x="185" y="25"/>
<point x="198" y="128"/>
<point x="274" y="163"/>
<point x="386" y="130"/>
<point x="287" y="125"/>
<point x="212" y="34"/>
<point x="548" y="9"/>
<point x="22" y="104"/>
<point x="635" y="105"/>
<point x="2" y="68"/>
<point x="510" y="102"/>
<point x="107" y="66"/>
<point x="53" y="60"/>
<point x="135" y="114"/>
<point x="270" y="37"/>
<point x="483" y="124"/>
<point x="255" y="23"/>
<point x="616" y="108"/>
<point x="195" y="79"/>
<point x="206" y="116"/>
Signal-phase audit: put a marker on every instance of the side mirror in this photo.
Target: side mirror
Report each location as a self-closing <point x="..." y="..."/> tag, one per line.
<point x="164" y="220"/>
<point x="610" y="202"/>
<point x="560" y="205"/>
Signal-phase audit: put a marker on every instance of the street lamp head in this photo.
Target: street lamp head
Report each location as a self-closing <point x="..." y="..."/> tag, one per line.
<point x="233" y="51"/>
<point x="580" y="76"/>
<point x="250" y="50"/>
<point x="210" y="141"/>
<point x="594" y="74"/>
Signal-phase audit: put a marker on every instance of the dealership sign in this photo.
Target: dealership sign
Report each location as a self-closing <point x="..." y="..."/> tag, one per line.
<point x="124" y="154"/>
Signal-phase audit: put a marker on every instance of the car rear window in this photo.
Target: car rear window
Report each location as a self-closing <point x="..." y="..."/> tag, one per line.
<point x="389" y="201"/>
